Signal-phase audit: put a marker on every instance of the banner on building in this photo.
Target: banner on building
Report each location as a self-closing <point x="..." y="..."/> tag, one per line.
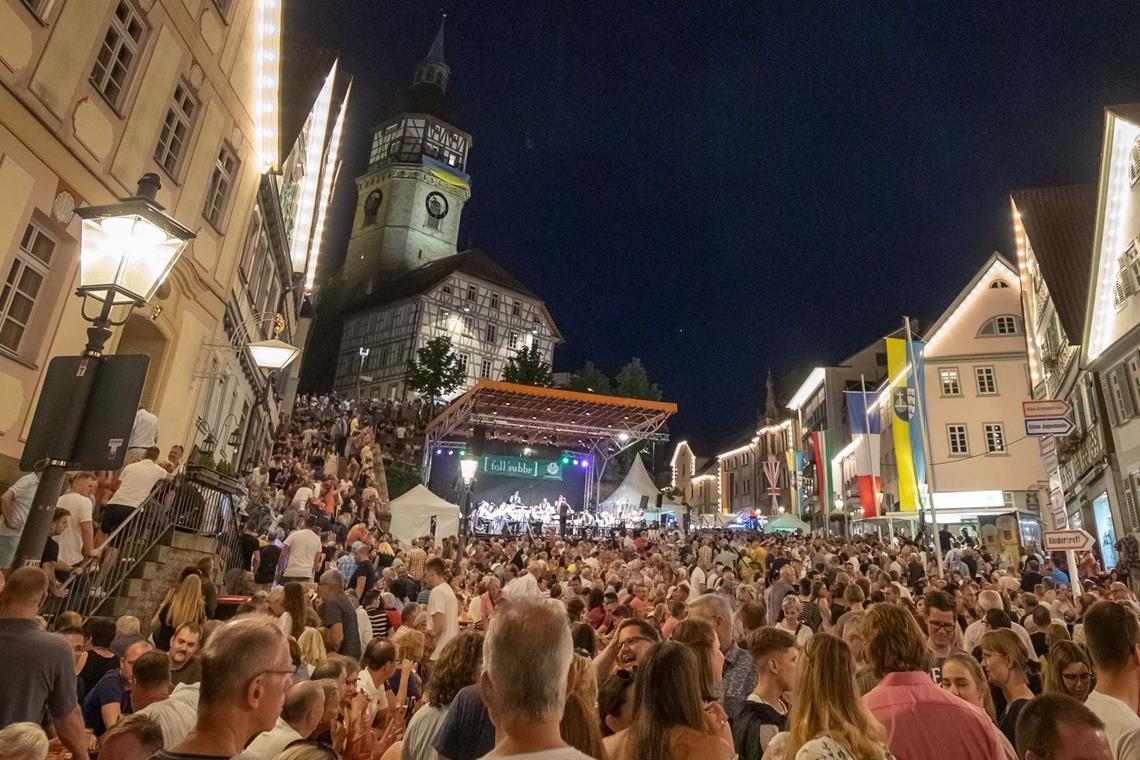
<point x="517" y="467"/>
<point x="905" y="369"/>
<point x="866" y="427"/>
<point x="822" y="443"/>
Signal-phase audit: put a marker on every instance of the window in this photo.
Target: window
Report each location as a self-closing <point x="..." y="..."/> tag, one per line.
<point x="1121" y="397"/>
<point x="22" y="286"/>
<point x="1006" y="325"/>
<point x="463" y="361"/>
<point x="959" y="444"/>
<point x="447" y="290"/>
<point x="432" y="222"/>
<point x="1134" y="375"/>
<point x="222" y="181"/>
<point x="490" y="333"/>
<point x="472" y="292"/>
<point x="494" y="300"/>
<point x="998" y="284"/>
<point x="175" y="129"/>
<point x="516" y="308"/>
<point x="512" y="339"/>
<point x="485" y="368"/>
<point x="951" y="383"/>
<point x="995" y="437"/>
<point x="987" y="382"/>
<point x="117" y="55"/>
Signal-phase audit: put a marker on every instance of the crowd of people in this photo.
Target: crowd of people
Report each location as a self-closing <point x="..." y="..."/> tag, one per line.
<point x="713" y="645"/>
<point x="708" y="645"/>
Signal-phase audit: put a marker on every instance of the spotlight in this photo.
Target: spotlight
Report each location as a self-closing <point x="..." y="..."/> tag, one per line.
<point x="566" y="460"/>
<point x="451" y="452"/>
<point x="439" y="451"/>
<point x="585" y="463"/>
<point x="575" y="461"/>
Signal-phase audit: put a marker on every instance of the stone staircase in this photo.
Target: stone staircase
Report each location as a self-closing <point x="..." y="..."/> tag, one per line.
<point x="143" y="590"/>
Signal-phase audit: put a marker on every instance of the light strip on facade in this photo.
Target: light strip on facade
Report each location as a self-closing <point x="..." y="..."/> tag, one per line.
<point x="314" y="137"/>
<point x="1028" y="299"/>
<point x="328" y="183"/>
<point x="809" y="386"/>
<point x="1113" y="231"/>
<point x="673" y="461"/>
<point x="995" y="272"/>
<point x="746" y="447"/>
<point x="268" y="82"/>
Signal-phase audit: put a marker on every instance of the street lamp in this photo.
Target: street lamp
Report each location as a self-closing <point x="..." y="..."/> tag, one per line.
<point x="273" y="355"/>
<point x="468" y="466"/>
<point x="126" y="251"/>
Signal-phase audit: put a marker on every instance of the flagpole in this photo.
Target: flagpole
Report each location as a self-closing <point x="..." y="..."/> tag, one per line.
<point x="927" y="460"/>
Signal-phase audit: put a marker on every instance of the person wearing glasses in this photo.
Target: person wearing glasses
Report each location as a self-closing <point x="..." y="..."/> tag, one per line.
<point x="627" y="649"/>
<point x="942" y="633"/>
<point x="246" y="671"/>
<point x="1070" y="671"/>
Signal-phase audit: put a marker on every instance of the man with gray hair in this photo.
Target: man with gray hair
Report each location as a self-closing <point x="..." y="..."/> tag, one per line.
<point x="738" y="678"/>
<point x="526" y="668"/>
<point x="303" y="710"/>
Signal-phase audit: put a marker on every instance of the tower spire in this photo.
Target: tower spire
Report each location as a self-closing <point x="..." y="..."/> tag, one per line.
<point x="771" y="411"/>
<point x="433" y="70"/>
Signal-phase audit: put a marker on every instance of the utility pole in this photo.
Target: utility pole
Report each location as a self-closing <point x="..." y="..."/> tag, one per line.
<point x="363" y="355"/>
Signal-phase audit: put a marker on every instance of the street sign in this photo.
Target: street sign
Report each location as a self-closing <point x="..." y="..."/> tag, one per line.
<point x="1053" y="407"/>
<point x="1049" y="426"/>
<point x="1070" y="540"/>
<point x="1047" y="446"/>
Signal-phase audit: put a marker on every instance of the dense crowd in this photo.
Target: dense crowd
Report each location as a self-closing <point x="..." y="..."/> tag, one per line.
<point x="346" y="643"/>
<point x="714" y="645"/>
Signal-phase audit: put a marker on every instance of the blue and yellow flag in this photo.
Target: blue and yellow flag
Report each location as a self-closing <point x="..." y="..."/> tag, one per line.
<point x="905" y="369"/>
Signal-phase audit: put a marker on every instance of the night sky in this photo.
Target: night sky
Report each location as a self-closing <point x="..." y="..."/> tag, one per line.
<point x="723" y="188"/>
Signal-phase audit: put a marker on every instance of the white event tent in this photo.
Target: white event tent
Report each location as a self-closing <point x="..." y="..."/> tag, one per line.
<point x="637" y="484"/>
<point x="412" y="513"/>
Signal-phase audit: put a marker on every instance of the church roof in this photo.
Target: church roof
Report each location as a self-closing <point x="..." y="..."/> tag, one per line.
<point x="1059" y="223"/>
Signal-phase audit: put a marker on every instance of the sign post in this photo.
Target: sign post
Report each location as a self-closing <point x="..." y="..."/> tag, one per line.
<point x="1045" y="419"/>
<point x="1068" y="540"/>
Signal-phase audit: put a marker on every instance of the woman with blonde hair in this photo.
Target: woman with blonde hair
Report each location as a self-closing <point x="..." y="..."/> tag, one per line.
<point x="312" y="646"/>
<point x="826" y="721"/>
<point x="1006" y="663"/>
<point x="459" y="665"/>
<point x="23" y="741"/>
<point x="702" y="639"/>
<point x="1070" y="671"/>
<point x="585" y="679"/>
<point x="184" y="604"/>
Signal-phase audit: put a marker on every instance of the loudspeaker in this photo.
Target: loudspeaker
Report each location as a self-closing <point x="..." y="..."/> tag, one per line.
<point x="644" y="503"/>
<point x="660" y="498"/>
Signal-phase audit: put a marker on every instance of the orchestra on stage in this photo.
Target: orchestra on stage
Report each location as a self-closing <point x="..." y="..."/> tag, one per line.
<point x="514" y="518"/>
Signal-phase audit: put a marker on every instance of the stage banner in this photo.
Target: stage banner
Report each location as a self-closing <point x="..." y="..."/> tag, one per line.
<point x="865" y="429"/>
<point x="905" y="368"/>
<point x="517" y="467"/>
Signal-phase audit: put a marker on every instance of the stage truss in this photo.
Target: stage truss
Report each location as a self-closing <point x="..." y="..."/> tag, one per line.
<point x="601" y="426"/>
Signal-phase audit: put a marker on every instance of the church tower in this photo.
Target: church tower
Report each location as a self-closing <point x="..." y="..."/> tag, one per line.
<point x="410" y="199"/>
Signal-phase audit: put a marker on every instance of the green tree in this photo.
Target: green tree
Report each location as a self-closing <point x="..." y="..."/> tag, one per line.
<point x="590" y="379"/>
<point x="436" y="370"/>
<point x="632" y="381"/>
<point x="527" y="368"/>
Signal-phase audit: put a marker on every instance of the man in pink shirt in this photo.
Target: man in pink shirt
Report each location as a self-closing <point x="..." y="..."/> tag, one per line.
<point x="921" y="719"/>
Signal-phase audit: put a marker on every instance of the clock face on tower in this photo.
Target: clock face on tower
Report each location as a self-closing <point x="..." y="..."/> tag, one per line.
<point x="372" y="205"/>
<point x="436" y="205"/>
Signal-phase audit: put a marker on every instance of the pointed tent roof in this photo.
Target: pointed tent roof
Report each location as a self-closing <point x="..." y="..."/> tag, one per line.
<point x="788" y="523"/>
<point x="412" y="515"/>
<point x="421" y="498"/>
<point x="1059" y="223"/>
<point x="637" y="483"/>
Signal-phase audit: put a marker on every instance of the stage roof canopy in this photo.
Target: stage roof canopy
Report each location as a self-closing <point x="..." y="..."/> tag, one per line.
<point x="526" y="414"/>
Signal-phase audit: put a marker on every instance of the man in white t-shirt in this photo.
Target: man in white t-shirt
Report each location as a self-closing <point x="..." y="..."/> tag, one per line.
<point x="15" y="505"/>
<point x="136" y="481"/>
<point x="144" y="434"/>
<point x="377" y="665"/>
<point x="442" y="606"/>
<point x="78" y="538"/>
<point x="1112" y="634"/>
<point x="526" y="662"/>
<point x="302" y="496"/>
<point x="300" y="554"/>
<point x="698" y="579"/>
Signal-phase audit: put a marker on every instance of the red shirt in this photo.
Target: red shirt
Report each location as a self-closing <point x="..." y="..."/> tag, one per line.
<point x="924" y="722"/>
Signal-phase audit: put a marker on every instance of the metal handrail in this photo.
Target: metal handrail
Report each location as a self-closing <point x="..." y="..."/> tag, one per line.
<point x="186" y="503"/>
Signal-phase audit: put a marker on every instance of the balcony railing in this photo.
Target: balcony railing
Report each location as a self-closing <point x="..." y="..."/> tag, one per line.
<point x="1082" y="454"/>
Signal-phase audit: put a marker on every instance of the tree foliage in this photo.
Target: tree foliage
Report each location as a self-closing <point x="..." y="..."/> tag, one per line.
<point x="436" y="370"/>
<point x="527" y="367"/>
<point x="632" y="381"/>
<point x="589" y="379"/>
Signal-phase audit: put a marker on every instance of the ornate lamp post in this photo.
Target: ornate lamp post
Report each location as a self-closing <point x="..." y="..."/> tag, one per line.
<point x="127" y="250"/>
<point x="468" y="465"/>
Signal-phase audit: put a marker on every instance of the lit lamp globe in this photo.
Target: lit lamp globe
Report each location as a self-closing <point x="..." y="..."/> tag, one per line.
<point x="467" y="468"/>
<point x="839" y="505"/>
<point x="128" y="248"/>
<point x="273" y="354"/>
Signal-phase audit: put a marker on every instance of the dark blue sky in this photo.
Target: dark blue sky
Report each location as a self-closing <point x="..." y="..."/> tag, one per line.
<point x="726" y="187"/>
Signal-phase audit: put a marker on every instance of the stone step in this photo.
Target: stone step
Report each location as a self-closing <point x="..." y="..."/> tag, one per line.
<point x="193" y="542"/>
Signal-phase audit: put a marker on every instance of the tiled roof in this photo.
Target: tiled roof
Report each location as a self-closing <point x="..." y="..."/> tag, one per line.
<point x="1059" y="224"/>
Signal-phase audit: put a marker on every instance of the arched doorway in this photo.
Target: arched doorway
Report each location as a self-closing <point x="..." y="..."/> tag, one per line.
<point x="142" y="336"/>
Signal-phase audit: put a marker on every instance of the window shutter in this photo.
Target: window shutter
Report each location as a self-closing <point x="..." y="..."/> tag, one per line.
<point x="1130" y="501"/>
<point x="1113" y="412"/>
<point x="1125" y="391"/>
